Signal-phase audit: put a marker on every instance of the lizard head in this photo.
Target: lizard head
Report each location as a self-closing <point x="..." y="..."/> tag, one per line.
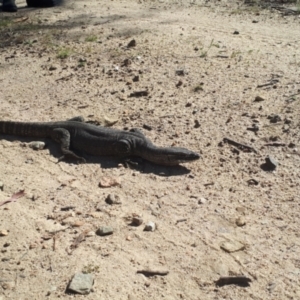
<point x="170" y="156"/>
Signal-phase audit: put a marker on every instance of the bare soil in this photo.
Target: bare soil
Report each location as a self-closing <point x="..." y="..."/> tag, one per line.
<point x="203" y="65"/>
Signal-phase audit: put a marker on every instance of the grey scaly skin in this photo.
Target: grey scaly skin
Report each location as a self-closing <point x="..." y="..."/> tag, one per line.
<point x="10" y="5"/>
<point x="98" y="141"/>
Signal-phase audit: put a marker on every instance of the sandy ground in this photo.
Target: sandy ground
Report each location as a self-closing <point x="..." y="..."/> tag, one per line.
<point x="203" y="65"/>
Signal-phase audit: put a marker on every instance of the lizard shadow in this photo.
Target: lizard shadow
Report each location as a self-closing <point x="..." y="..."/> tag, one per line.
<point x="138" y="164"/>
<point x="106" y="162"/>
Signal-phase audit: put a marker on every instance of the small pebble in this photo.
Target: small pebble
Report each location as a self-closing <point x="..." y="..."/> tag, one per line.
<point x="52" y="68"/>
<point x="136" y="78"/>
<point x="132" y="43"/>
<point x="232" y="246"/>
<point x="241" y="209"/>
<point x="52" y="289"/>
<point x="240" y="221"/>
<point x="77" y="223"/>
<point x="286" y="128"/>
<point x="1" y="185"/>
<point x="113" y="199"/>
<point x="147" y="127"/>
<point x="136" y="221"/>
<point x="37" y="145"/>
<point x="202" y="201"/>
<point x="274" y="118"/>
<point x="150" y="226"/>
<point x="271" y="163"/>
<point x="90" y="234"/>
<point x="81" y="283"/>
<point x="259" y="99"/>
<point x="104" y="230"/>
<point x="33" y="246"/>
<point x="3" y="232"/>
<point x="197" y="124"/>
<point x="180" y="72"/>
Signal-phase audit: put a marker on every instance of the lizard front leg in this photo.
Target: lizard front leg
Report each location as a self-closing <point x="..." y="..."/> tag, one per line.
<point x="62" y="136"/>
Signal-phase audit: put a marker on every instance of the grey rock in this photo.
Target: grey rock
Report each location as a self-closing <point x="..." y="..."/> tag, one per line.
<point x="232" y="246"/>
<point x="104" y="230"/>
<point x="274" y="118"/>
<point x="150" y="226"/>
<point x="202" y="200"/>
<point x="180" y="72"/>
<point x="240" y="221"/>
<point x="220" y="268"/>
<point x="52" y="68"/>
<point x="197" y="124"/>
<point x="259" y="99"/>
<point x="271" y="162"/>
<point x="286" y="128"/>
<point x="51" y="290"/>
<point x="81" y="283"/>
<point x="37" y="145"/>
<point x="136" y="221"/>
<point x="132" y="43"/>
<point x="113" y="199"/>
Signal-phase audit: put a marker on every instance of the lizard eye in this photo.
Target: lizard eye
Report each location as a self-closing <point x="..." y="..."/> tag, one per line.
<point x="123" y="147"/>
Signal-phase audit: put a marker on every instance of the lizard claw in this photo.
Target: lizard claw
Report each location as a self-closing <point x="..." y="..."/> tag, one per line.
<point x="78" y="158"/>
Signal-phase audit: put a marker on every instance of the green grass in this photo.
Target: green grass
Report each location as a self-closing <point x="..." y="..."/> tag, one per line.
<point x="204" y="52"/>
<point x="5" y="22"/>
<point x="91" y="38"/>
<point x="81" y="63"/>
<point x="63" y="53"/>
<point x="90" y="269"/>
<point x="198" y="87"/>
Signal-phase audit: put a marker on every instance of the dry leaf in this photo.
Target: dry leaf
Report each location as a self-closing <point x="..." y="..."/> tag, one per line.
<point x="18" y="20"/>
<point x="13" y="198"/>
<point x="109" y="181"/>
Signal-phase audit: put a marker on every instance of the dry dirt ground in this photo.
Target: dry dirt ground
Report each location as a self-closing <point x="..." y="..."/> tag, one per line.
<point x="204" y="66"/>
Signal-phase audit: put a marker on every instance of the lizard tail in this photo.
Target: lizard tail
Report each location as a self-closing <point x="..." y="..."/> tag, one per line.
<point x="24" y="129"/>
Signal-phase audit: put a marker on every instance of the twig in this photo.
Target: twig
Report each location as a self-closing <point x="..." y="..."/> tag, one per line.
<point x="77" y="241"/>
<point x="181" y="220"/>
<point x="57" y="231"/>
<point x="65" y="77"/>
<point x="13" y="198"/>
<point x="275" y="144"/>
<point x="166" y="116"/>
<point x="239" y="145"/>
<point x="222" y="56"/>
<point x="54" y="243"/>
<point x="153" y="272"/>
<point x="273" y="81"/>
<point x="237" y="280"/>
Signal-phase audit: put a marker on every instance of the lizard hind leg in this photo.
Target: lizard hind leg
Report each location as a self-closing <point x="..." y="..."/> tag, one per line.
<point x="62" y="136"/>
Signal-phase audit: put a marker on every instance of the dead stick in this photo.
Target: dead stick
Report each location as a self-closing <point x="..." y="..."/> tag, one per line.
<point x="275" y="144"/>
<point x="239" y="145"/>
<point x="152" y="272"/>
<point x="181" y="220"/>
<point x="269" y="83"/>
<point x="54" y="243"/>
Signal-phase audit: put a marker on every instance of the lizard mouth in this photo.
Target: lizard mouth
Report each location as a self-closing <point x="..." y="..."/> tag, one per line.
<point x="172" y="156"/>
<point x="184" y="158"/>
